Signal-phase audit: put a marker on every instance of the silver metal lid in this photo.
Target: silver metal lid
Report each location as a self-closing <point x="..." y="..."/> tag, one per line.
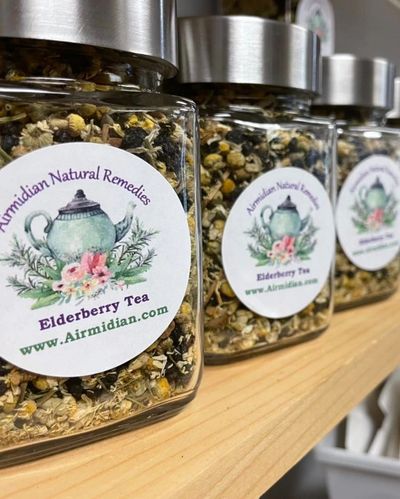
<point x="143" y="27"/>
<point x="395" y="112"/>
<point x="348" y="80"/>
<point x="248" y="50"/>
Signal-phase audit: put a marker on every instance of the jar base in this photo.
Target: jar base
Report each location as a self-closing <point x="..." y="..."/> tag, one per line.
<point x="218" y="359"/>
<point x="340" y="307"/>
<point x="35" y="450"/>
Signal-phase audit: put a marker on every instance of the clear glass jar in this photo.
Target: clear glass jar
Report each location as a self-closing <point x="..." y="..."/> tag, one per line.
<point x="248" y="134"/>
<point x="361" y="135"/>
<point x="56" y="95"/>
<point x="367" y="268"/>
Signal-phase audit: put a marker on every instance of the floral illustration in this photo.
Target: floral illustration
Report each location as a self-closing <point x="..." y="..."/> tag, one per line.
<point x="48" y="280"/>
<point x="281" y="236"/>
<point x="282" y="251"/>
<point x="318" y="24"/>
<point x="374" y="208"/>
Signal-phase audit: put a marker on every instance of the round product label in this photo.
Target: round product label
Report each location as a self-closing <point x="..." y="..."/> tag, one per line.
<point x="367" y="221"/>
<point x="318" y="16"/>
<point x="278" y="242"/>
<point x="88" y="235"/>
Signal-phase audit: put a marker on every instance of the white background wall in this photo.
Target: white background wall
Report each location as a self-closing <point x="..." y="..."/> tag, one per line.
<point x="368" y="28"/>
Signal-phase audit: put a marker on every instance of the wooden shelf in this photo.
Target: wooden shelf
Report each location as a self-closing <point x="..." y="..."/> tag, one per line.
<point x="251" y="422"/>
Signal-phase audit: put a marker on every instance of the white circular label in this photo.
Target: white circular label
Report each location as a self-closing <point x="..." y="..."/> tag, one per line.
<point x="89" y="234"/>
<point x="278" y="243"/>
<point x="367" y="220"/>
<point x="318" y="16"/>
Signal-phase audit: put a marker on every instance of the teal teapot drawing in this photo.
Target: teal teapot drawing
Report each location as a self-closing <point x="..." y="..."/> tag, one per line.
<point x="284" y="221"/>
<point x="375" y="197"/>
<point x="80" y="226"/>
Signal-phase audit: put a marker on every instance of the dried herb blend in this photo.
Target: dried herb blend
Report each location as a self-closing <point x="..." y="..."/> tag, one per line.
<point x="35" y="406"/>
<point x="232" y="157"/>
<point x="246" y="132"/>
<point x="39" y="115"/>
<point x="367" y="267"/>
<point x="355" y="285"/>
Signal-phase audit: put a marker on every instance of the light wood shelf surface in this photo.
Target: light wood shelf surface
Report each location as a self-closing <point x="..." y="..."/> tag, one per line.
<point x="251" y="422"/>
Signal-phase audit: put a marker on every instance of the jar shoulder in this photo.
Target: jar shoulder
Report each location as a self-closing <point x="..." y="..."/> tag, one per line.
<point x="249" y="114"/>
<point x="114" y="98"/>
<point x="368" y="131"/>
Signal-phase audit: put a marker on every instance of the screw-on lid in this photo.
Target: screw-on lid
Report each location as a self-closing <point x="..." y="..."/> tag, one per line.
<point x="143" y="27"/>
<point x="395" y="112"/>
<point x="248" y="50"/>
<point x="80" y="204"/>
<point x="348" y="80"/>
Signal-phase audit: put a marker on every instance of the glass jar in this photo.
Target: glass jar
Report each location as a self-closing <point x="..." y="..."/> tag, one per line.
<point x="357" y="93"/>
<point x="264" y="162"/>
<point x="98" y="175"/>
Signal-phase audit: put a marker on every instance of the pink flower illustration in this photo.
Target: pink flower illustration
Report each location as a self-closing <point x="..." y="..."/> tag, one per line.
<point x="89" y="286"/>
<point x="121" y="284"/>
<point x="375" y="220"/>
<point x="94" y="264"/>
<point x="276" y="247"/>
<point x="283" y="250"/>
<point x="72" y="272"/>
<point x="286" y="245"/>
<point x="90" y="261"/>
<point x="101" y="274"/>
<point x="69" y="290"/>
<point x="285" y="258"/>
<point x="58" y="286"/>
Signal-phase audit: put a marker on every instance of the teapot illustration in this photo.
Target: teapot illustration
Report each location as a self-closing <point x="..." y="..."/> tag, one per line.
<point x="80" y="226"/>
<point x="284" y="221"/>
<point x="375" y="197"/>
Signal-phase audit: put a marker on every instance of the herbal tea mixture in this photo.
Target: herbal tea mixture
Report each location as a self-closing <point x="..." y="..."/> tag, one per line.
<point x="235" y="150"/>
<point x="34" y="406"/>
<point x="81" y="66"/>
<point x="353" y="284"/>
<point x="368" y="177"/>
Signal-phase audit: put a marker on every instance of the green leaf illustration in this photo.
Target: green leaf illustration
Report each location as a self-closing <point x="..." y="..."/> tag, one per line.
<point x="37" y="293"/>
<point x="46" y="301"/>
<point x="127" y="262"/>
<point x="134" y="280"/>
<point x="55" y="274"/>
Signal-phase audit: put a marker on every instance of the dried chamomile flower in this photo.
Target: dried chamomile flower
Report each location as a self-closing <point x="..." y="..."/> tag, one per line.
<point x="91" y="133"/>
<point x="36" y="135"/>
<point x="76" y="124"/>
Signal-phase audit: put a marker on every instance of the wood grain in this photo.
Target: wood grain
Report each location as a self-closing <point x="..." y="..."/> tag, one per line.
<point x="251" y="422"/>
